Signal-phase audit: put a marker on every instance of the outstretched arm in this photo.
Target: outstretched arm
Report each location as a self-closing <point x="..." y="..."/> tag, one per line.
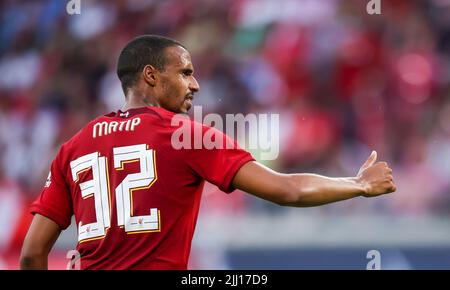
<point x="305" y="190"/>
<point x="41" y="237"/>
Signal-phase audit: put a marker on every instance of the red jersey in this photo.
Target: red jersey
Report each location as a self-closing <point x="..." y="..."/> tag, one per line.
<point x="134" y="196"/>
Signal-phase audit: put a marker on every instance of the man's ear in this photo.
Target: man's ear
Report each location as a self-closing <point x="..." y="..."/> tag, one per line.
<point x="149" y="74"/>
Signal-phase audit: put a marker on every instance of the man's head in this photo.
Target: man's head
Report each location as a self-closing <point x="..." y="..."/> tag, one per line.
<point x="158" y="71"/>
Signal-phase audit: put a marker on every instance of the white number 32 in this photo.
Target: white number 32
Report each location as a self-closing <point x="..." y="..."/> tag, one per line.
<point x="98" y="187"/>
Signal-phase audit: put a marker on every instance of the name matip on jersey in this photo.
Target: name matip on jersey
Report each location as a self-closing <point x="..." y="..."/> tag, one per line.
<point x="135" y="194"/>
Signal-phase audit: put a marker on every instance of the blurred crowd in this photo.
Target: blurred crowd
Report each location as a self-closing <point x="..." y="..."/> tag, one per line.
<point x="343" y="82"/>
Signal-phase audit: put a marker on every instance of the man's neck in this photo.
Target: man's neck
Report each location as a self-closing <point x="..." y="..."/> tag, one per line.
<point x="134" y="101"/>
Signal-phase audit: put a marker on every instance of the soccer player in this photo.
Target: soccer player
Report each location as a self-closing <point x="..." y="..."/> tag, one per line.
<point x="135" y="197"/>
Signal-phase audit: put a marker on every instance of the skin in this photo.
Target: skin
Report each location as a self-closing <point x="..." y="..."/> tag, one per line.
<point x="173" y="89"/>
<point x="41" y="237"/>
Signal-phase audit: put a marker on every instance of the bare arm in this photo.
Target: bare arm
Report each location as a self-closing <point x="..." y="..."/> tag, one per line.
<point x="41" y="237"/>
<point x="305" y="190"/>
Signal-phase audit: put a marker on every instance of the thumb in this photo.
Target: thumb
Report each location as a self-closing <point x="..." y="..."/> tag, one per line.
<point x="371" y="160"/>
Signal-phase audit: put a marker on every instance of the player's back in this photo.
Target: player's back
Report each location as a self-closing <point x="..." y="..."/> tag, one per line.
<point x="135" y="202"/>
<point x="134" y="197"/>
<point x="142" y="186"/>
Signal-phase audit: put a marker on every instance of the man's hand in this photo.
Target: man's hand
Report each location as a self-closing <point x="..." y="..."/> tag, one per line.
<point x="375" y="178"/>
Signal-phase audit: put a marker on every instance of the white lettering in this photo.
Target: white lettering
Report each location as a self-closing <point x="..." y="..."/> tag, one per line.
<point x="134" y="123"/>
<point x="105" y="128"/>
<point x="374" y="7"/>
<point x="194" y="280"/>
<point x="100" y="129"/>
<point x="73" y="7"/>
<point x="256" y="131"/>
<point x="121" y="125"/>
<point x="181" y="138"/>
<point x="375" y="262"/>
<point x="112" y="127"/>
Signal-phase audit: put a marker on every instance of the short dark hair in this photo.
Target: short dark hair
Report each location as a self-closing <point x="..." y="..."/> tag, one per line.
<point x="139" y="52"/>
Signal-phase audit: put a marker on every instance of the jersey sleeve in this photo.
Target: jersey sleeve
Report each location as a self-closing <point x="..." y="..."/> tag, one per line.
<point x="55" y="202"/>
<point x="218" y="165"/>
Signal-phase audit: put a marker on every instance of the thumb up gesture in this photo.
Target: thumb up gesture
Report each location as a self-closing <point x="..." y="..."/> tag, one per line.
<point x="376" y="177"/>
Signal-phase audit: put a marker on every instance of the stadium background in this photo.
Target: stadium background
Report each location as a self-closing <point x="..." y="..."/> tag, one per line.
<point x="344" y="82"/>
